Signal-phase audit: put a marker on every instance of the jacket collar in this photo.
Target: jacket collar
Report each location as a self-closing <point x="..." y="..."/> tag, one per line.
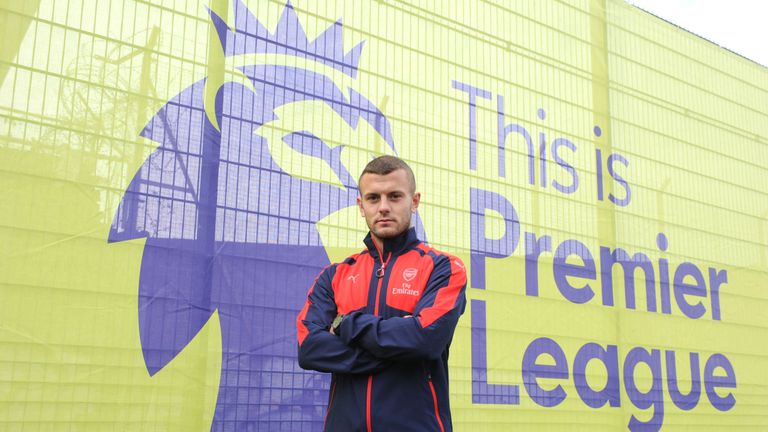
<point x="395" y="245"/>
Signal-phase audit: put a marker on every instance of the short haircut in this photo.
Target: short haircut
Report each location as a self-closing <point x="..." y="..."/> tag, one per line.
<point x="384" y="165"/>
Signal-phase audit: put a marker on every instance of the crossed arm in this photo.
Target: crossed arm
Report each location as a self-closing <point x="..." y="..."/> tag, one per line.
<point x="367" y="343"/>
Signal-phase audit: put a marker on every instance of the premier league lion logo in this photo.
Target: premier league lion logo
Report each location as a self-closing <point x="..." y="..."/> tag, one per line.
<point x="228" y="228"/>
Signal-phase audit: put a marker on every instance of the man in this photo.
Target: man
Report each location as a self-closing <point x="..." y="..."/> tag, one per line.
<point x="382" y="320"/>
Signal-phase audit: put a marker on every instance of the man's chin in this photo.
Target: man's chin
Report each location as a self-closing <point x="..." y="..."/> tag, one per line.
<point x="387" y="233"/>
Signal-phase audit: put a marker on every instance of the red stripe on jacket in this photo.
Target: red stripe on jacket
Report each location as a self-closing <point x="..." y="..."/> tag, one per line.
<point x="447" y="295"/>
<point x="302" y="330"/>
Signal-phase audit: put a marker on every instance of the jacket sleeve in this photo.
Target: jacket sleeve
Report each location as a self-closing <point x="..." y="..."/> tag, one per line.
<point x="319" y="349"/>
<point x="428" y="332"/>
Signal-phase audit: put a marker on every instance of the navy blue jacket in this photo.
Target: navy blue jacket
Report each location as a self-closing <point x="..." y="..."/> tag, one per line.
<point x="389" y="359"/>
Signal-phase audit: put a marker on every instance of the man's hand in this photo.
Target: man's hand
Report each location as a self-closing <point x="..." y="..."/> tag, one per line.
<point x="336" y="323"/>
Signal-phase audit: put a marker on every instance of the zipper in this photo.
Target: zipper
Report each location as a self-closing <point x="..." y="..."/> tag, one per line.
<point x="383" y="268"/>
<point x="434" y="400"/>
<point x="380" y="276"/>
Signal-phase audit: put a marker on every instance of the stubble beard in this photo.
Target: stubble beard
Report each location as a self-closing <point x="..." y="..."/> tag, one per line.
<point x="389" y="233"/>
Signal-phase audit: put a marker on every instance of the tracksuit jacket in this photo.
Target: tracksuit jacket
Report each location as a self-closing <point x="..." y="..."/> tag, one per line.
<point x="389" y="358"/>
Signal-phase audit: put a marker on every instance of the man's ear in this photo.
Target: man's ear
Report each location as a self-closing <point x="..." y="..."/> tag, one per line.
<point x="415" y="202"/>
<point x="360" y="206"/>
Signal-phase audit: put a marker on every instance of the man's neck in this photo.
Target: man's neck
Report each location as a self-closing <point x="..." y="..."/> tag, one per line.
<point x="379" y="243"/>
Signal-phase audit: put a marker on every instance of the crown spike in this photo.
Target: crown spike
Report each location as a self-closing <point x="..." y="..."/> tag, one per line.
<point x="246" y="21"/>
<point x="329" y="41"/>
<point x="250" y="36"/>
<point x="289" y="31"/>
<point x="353" y="57"/>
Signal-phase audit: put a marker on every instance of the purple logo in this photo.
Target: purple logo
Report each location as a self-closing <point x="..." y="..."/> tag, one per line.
<point x="228" y="230"/>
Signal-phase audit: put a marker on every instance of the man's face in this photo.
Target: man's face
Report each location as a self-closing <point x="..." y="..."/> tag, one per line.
<point x="387" y="203"/>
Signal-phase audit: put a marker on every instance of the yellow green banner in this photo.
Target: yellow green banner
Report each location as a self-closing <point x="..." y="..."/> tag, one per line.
<point x="173" y="175"/>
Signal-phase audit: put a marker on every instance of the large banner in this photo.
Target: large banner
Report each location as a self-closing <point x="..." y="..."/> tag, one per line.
<point x="173" y="176"/>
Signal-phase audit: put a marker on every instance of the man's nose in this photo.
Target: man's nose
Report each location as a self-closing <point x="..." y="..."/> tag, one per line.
<point x="384" y="206"/>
